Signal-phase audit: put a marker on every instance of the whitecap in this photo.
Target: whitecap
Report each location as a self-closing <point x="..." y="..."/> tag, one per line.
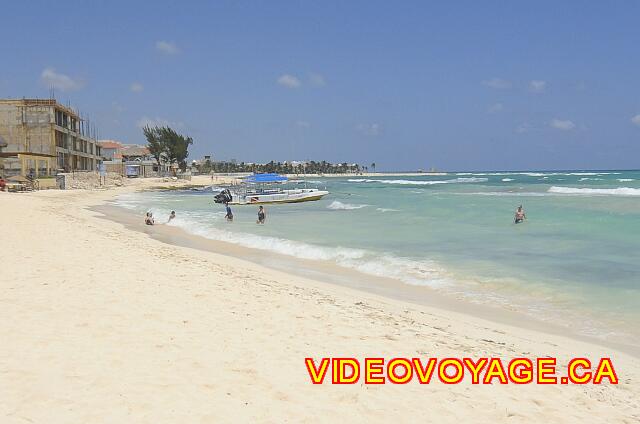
<point x="620" y="191"/>
<point x="421" y="182"/>
<point x="336" y="205"/>
<point x="410" y="271"/>
<point x="505" y="193"/>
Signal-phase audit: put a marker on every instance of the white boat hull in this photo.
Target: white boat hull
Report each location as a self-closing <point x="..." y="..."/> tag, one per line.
<point x="284" y="196"/>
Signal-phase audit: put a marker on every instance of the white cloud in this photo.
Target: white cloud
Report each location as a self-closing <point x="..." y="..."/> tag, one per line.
<point x="62" y="82"/>
<point x="167" y="47"/>
<point x="372" y="129"/>
<point x="136" y="87"/>
<point x="497" y="83"/>
<point x="118" y="107"/>
<point x="157" y="122"/>
<point x="289" y="81"/>
<point x="636" y="120"/>
<point x="317" y="80"/>
<point x="495" y="108"/>
<point x="537" y="86"/>
<point x="303" y="124"/>
<point x="564" y="125"/>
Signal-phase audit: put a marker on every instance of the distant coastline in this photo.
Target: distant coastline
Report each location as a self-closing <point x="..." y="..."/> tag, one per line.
<point x="369" y="174"/>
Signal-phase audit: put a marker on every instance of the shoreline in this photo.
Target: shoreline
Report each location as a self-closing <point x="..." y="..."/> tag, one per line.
<point x="108" y="324"/>
<point x="327" y="272"/>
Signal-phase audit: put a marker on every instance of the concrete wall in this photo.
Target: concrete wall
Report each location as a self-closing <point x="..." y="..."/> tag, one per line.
<point x="47" y="183"/>
<point x="27" y="129"/>
<point x="90" y="180"/>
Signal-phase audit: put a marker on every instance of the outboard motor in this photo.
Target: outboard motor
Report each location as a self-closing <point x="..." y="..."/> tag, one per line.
<point x="223" y="197"/>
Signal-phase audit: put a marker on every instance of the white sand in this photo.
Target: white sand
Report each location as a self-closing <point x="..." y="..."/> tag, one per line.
<point x="99" y="324"/>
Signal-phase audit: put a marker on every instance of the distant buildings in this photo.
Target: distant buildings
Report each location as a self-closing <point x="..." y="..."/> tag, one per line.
<point x="44" y="137"/>
<point x="111" y="149"/>
<point x="115" y="150"/>
<point x="131" y="160"/>
<point x="206" y="162"/>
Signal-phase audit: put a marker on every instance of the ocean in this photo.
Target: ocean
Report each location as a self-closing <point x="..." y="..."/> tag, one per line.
<point x="575" y="261"/>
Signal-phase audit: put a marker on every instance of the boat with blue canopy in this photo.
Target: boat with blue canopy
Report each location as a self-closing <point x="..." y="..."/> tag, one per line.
<point x="267" y="188"/>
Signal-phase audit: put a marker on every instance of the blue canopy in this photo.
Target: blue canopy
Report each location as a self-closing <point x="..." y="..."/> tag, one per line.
<point x="265" y="178"/>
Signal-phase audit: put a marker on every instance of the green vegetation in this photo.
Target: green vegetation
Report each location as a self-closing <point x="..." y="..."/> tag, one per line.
<point x="167" y="146"/>
<point x="311" y="167"/>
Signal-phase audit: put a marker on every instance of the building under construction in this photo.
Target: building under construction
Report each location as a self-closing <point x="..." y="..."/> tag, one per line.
<point x="44" y="137"/>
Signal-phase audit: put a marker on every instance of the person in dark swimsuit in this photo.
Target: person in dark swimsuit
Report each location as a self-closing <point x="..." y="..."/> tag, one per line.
<point x="520" y="216"/>
<point x="229" y="215"/>
<point x="261" y="215"/>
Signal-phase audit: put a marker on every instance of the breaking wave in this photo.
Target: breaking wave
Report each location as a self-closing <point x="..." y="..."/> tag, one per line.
<point x="620" y="191"/>
<point x="505" y="193"/>
<point x="339" y="206"/>
<point x="421" y="182"/>
<point x="410" y="271"/>
<point x="541" y="173"/>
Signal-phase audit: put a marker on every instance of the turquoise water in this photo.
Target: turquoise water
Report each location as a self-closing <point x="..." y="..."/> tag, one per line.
<point x="575" y="261"/>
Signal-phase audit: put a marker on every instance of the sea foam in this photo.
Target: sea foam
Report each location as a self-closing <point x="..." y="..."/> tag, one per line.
<point x="620" y="191"/>
<point x="421" y="182"/>
<point x="410" y="271"/>
<point x="339" y="206"/>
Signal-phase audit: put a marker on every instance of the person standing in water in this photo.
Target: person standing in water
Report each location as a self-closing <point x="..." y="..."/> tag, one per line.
<point x="229" y="215"/>
<point x="171" y="216"/>
<point x="520" y="216"/>
<point x="261" y="215"/>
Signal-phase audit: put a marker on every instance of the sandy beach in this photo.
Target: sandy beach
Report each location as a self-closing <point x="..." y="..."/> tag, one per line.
<point x="102" y="323"/>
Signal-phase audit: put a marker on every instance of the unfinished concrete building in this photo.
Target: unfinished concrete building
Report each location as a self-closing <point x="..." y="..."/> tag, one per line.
<point x="44" y="137"/>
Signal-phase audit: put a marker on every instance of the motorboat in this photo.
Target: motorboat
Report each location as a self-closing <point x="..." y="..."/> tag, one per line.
<point x="266" y="188"/>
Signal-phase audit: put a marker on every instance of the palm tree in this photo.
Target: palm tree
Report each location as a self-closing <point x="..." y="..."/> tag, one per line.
<point x="373" y="167"/>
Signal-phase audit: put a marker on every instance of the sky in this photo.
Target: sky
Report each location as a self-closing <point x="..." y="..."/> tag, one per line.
<point x="461" y="85"/>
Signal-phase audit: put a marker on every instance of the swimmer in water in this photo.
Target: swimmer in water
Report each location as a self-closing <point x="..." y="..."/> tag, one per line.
<point x="261" y="215"/>
<point x="229" y="215"/>
<point x="520" y="215"/>
<point x="148" y="219"/>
